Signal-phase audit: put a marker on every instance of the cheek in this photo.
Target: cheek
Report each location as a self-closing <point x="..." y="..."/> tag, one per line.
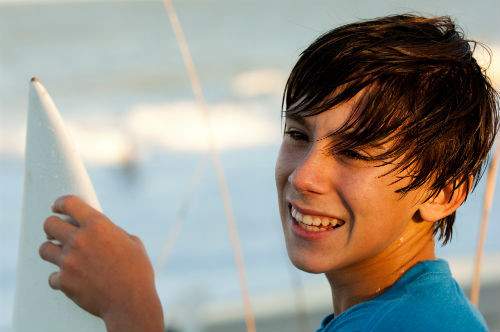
<point x="280" y="176"/>
<point x="377" y="211"/>
<point x="381" y="215"/>
<point x="283" y="168"/>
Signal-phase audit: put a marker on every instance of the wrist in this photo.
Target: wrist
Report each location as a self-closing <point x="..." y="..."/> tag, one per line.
<point x="136" y="316"/>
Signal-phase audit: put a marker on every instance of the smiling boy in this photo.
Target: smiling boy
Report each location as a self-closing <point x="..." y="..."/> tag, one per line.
<point x="388" y="124"/>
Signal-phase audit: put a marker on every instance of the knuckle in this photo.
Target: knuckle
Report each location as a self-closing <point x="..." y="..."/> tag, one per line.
<point x="66" y="280"/>
<point x="99" y="219"/>
<point x="67" y="264"/>
<point x="94" y="228"/>
<point x="99" y="226"/>
<point x="67" y="289"/>
<point x="77" y="240"/>
<point x="63" y="281"/>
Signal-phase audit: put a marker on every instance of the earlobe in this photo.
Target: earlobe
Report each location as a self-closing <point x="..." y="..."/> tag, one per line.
<point x="445" y="202"/>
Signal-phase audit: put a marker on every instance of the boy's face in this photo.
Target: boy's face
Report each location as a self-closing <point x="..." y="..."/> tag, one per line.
<point x="314" y="182"/>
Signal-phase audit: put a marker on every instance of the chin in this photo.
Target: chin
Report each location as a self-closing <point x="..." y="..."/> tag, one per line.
<point x="306" y="263"/>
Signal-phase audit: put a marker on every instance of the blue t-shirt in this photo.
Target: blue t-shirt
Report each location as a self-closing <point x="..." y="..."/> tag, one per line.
<point x="426" y="298"/>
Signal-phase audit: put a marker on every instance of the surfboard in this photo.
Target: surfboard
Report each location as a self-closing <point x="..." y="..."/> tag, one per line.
<point x="52" y="168"/>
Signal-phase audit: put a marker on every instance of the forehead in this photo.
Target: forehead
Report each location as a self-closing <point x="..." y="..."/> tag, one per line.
<point x="328" y="121"/>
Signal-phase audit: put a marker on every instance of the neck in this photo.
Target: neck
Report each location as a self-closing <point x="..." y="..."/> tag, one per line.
<point x="368" y="278"/>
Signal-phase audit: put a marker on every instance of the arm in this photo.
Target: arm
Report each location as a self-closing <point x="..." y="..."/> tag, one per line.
<point x="103" y="269"/>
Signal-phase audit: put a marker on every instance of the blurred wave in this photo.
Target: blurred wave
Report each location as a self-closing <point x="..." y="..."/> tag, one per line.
<point x="266" y="81"/>
<point x="103" y="139"/>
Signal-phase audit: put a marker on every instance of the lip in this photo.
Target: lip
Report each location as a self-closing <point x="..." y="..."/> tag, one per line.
<point x="305" y="234"/>
<point x="304" y="210"/>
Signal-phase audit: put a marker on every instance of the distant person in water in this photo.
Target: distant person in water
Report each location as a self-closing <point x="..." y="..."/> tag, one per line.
<point x="388" y="124"/>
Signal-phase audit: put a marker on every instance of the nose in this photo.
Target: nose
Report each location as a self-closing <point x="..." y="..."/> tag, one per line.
<point x="311" y="174"/>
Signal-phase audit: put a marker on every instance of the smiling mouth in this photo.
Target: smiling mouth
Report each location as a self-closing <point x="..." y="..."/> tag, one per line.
<point x="313" y="223"/>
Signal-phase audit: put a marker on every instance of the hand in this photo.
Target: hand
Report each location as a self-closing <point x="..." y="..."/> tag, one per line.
<point x="103" y="269"/>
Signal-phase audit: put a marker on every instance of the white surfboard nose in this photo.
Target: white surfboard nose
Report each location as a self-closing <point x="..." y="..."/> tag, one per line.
<point x="50" y="152"/>
<point x="52" y="168"/>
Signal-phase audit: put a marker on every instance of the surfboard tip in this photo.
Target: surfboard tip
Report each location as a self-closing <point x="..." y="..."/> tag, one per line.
<point x="34" y="79"/>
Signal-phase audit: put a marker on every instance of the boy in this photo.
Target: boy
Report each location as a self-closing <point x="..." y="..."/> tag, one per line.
<point x="388" y="124"/>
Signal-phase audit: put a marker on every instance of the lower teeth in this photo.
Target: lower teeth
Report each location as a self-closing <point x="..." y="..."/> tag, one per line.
<point x="314" y="228"/>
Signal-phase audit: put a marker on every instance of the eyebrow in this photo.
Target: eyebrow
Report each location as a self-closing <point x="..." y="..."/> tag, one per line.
<point x="300" y="119"/>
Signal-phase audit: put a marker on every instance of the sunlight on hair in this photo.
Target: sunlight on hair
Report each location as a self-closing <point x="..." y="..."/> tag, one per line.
<point x="492" y="65"/>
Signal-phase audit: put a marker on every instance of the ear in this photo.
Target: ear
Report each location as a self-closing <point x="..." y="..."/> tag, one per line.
<point x="446" y="202"/>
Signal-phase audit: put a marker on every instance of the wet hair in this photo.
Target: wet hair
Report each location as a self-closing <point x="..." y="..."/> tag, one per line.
<point x="422" y="92"/>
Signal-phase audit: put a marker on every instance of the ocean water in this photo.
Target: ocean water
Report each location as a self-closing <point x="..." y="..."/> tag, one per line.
<point x="115" y="73"/>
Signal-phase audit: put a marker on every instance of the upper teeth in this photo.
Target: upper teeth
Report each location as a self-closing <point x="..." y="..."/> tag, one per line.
<point x="315" y="220"/>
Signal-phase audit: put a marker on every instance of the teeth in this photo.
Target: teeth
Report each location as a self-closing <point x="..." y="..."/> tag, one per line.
<point x="311" y="228"/>
<point x="313" y="223"/>
<point x="298" y="215"/>
<point x="308" y="220"/>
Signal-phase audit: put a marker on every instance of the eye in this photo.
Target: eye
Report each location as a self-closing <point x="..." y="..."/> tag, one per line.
<point x="296" y="135"/>
<point x="351" y="154"/>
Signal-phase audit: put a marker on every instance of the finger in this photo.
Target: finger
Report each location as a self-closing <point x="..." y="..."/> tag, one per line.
<point x="76" y="208"/>
<point x="55" y="280"/>
<point x="50" y="252"/>
<point x="58" y="229"/>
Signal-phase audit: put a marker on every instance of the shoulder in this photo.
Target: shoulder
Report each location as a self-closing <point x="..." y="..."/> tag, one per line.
<point x="430" y="316"/>
<point x="408" y="314"/>
<point x="430" y="301"/>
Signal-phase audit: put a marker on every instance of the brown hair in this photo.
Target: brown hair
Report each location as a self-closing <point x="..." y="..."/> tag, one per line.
<point x="425" y="93"/>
